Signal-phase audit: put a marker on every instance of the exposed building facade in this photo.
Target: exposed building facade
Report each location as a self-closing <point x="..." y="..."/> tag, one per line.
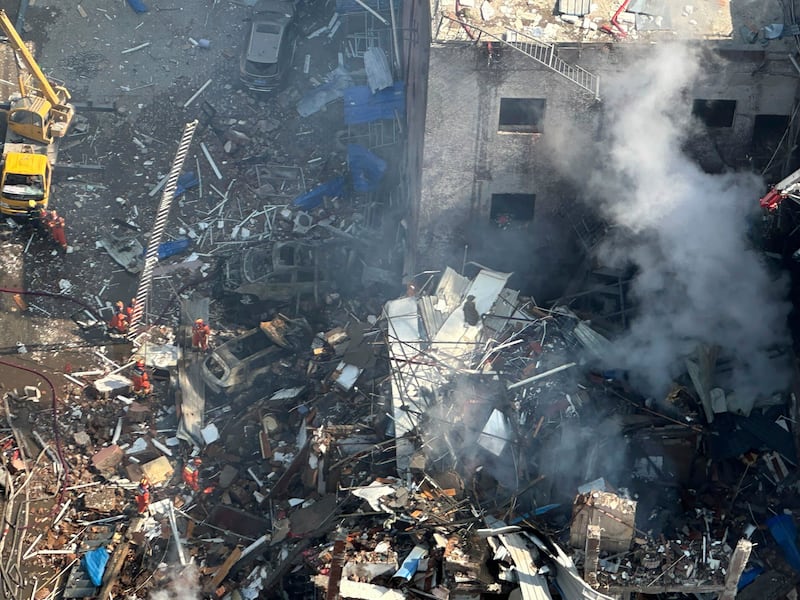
<point x="489" y="190"/>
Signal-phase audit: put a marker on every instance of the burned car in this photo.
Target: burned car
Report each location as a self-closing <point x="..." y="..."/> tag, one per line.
<point x="268" y="50"/>
<point x="283" y="271"/>
<point x="237" y="362"/>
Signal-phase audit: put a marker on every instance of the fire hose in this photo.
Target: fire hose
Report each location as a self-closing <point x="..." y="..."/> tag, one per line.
<point x="615" y="21"/>
<point x="56" y="435"/>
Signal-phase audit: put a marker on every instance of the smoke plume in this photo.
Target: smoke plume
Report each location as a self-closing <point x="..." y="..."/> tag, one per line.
<point x="183" y="584"/>
<point x="698" y="279"/>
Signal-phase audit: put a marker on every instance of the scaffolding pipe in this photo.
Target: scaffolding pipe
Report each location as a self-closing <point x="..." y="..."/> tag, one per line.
<point x="375" y="13"/>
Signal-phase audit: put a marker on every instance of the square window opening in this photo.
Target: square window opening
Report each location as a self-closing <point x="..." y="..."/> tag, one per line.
<point x="514" y="208"/>
<point x="521" y="115"/>
<point x="715" y="113"/>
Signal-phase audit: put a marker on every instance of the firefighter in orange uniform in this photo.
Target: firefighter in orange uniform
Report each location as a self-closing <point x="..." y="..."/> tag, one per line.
<point x="56" y="225"/>
<point x="143" y="496"/>
<point x="200" y="334"/>
<point x="119" y="322"/>
<point x="191" y="474"/>
<point x="129" y="310"/>
<point x="141" y="380"/>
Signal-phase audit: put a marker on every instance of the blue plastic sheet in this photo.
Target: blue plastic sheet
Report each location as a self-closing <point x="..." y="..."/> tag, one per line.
<point x="94" y="563"/>
<point x="362" y="106"/>
<point x="784" y="531"/>
<point x="138" y="6"/>
<point x="366" y="169"/>
<point x="186" y="182"/>
<point x="313" y="198"/>
<point x="173" y="247"/>
<point x="749" y="577"/>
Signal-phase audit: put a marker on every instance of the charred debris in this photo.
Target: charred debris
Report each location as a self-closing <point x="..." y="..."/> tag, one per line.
<point x="402" y="452"/>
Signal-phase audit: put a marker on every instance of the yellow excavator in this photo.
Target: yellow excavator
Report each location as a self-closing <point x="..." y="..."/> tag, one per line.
<point x="37" y="116"/>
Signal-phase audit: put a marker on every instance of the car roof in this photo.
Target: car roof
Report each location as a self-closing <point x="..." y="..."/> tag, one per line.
<point x="265" y="41"/>
<point x="273" y="7"/>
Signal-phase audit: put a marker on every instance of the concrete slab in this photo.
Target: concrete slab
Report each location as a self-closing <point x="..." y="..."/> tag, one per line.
<point x="159" y="470"/>
<point x="107" y="458"/>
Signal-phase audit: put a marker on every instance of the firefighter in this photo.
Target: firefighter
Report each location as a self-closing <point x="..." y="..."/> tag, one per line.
<point x="191" y="474"/>
<point x="200" y="334"/>
<point x="471" y="316"/>
<point x="143" y="496"/>
<point x="56" y="225"/>
<point x="141" y="380"/>
<point x="130" y="309"/>
<point x="119" y="322"/>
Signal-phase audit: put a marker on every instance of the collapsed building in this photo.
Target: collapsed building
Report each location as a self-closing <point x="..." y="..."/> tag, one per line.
<point x="462" y="440"/>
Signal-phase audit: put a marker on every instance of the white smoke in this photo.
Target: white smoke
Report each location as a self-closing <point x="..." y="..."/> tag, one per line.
<point x="183" y="584"/>
<point x="686" y="231"/>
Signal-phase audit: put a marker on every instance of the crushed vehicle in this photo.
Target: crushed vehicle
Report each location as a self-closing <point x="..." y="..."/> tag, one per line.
<point x="239" y="361"/>
<point x="281" y="271"/>
<point x="269" y="46"/>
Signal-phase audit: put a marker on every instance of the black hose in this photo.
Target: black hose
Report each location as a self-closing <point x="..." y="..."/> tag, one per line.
<point x="53" y="295"/>
<point x="56" y="435"/>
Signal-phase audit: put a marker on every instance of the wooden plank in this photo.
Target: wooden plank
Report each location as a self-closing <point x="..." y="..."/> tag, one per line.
<point x="113" y="569"/>
<point x="223" y="570"/>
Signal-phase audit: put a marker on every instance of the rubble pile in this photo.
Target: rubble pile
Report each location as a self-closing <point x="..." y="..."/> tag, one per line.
<point x="411" y="455"/>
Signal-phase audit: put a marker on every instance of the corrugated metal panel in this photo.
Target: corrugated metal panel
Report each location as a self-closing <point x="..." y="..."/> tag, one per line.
<point x="595" y="343"/>
<point x="450" y="290"/>
<point x="575" y="7"/>
<point x="431" y="317"/>
<point x="569" y="581"/>
<point x="458" y="340"/>
<point x="532" y="585"/>
<point x="379" y="73"/>
<point x="503" y="307"/>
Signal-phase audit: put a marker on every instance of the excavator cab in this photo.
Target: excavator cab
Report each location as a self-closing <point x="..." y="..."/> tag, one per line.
<point x="42" y="111"/>
<point x="34" y="117"/>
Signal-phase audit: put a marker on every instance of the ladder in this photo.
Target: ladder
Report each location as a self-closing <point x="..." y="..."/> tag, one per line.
<point x="543" y="53"/>
<point x="151" y="255"/>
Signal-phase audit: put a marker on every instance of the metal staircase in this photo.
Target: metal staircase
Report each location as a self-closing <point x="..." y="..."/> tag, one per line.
<point x="542" y="52"/>
<point x="151" y="255"/>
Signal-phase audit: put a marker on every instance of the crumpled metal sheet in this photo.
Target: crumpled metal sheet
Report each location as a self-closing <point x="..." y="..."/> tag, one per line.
<point x="379" y="72"/>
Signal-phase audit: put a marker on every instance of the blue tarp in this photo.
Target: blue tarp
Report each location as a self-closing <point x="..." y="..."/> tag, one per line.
<point x="137" y="6"/>
<point x="362" y="106"/>
<point x="172" y="248"/>
<point x="186" y="182"/>
<point x="366" y="169"/>
<point x="94" y="563"/>
<point x="784" y="531"/>
<point x="313" y="198"/>
<point x="749" y="577"/>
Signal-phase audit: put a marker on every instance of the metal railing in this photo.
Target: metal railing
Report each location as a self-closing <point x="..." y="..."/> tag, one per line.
<point x="542" y="52"/>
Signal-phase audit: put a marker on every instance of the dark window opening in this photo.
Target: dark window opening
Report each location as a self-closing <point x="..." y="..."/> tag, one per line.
<point x="768" y="130"/>
<point x="521" y="115"/>
<point x="715" y="113"/>
<point x="512" y="208"/>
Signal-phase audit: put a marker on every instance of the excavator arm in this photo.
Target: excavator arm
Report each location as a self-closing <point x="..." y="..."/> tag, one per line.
<point x="789" y="187"/>
<point x="43" y="112"/>
<point x="47" y="89"/>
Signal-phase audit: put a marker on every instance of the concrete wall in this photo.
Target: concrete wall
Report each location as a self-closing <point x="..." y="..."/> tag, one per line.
<point x="416" y="36"/>
<point x="466" y="159"/>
